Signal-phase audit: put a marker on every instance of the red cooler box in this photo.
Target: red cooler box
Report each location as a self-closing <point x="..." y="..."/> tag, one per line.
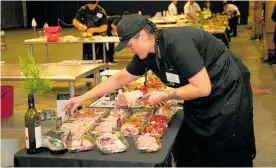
<point x="52" y="33"/>
<point x="6" y="101"/>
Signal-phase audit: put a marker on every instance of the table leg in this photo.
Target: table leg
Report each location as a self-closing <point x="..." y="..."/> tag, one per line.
<point x="97" y="78"/>
<point x="71" y="88"/>
<point x="46" y="47"/>
<point x="31" y="50"/>
<point x="104" y="53"/>
<point x="94" y="53"/>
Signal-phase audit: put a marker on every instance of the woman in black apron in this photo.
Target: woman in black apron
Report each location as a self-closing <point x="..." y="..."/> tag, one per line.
<point x="212" y="81"/>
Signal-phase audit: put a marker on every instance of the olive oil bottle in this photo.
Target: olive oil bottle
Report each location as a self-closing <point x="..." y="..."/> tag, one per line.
<point x="32" y="128"/>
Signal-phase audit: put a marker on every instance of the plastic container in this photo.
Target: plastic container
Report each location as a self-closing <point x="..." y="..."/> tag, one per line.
<point x="105" y="127"/>
<point x="147" y="143"/>
<point x="90" y="112"/>
<point x="144" y="114"/>
<point x="166" y="110"/>
<point x="54" y="145"/>
<point x="154" y="129"/>
<point x="112" y="143"/>
<point x="135" y="123"/>
<point x="80" y="142"/>
<point x="159" y="119"/>
<point x="52" y="33"/>
<point x="132" y="127"/>
<point x="7" y="100"/>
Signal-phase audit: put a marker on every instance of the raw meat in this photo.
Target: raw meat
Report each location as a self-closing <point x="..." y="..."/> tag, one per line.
<point x="156" y="129"/>
<point x="111" y="143"/>
<point x="105" y="127"/>
<point x="167" y="111"/>
<point x="126" y="98"/>
<point x="80" y="142"/>
<point x="146" y="143"/>
<point x="159" y="119"/>
<point x="132" y="127"/>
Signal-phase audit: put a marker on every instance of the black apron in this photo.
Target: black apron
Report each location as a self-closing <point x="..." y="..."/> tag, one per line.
<point x="218" y="129"/>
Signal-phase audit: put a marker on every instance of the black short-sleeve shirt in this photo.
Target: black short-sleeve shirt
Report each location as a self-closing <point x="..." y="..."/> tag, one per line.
<point x="186" y="51"/>
<point x="95" y="18"/>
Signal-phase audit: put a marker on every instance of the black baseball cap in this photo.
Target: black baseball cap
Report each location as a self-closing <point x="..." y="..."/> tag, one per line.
<point x="128" y="27"/>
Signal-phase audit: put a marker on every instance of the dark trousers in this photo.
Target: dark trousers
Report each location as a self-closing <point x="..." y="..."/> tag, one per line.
<point x="87" y="51"/>
<point x="110" y="52"/>
<point x="233" y="24"/>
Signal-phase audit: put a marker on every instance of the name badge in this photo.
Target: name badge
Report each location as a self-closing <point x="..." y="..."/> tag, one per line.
<point x="172" y="78"/>
<point x="99" y="15"/>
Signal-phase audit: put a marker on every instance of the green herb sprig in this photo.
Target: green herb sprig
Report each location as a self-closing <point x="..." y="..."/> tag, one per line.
<point x="35" y="82"/>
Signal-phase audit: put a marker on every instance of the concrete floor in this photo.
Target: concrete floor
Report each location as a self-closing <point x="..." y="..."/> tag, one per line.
<point x="261" y="78"/>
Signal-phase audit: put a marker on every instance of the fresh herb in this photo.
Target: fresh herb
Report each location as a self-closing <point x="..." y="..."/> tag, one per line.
<point x="35" y="83"/>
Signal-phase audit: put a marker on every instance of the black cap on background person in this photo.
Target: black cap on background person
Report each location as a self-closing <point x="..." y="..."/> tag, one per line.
<point x="128" y="27"/>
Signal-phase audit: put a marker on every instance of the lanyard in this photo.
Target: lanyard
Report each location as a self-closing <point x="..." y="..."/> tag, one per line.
<point x="146" y="74"/>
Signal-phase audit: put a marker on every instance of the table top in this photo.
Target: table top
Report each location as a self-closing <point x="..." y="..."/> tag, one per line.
<point x="220" y="30"/>
<point x="131" y="157"/>
<point x="105" y="39"/>
<point x="167" y="19"/>
<point x="54" y="71"/>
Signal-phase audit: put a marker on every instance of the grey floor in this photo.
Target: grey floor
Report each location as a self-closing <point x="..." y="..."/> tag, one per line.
<point x="262" y="77"/>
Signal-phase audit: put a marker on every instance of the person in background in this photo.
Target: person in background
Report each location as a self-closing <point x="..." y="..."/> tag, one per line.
<point x="115" y="23"/>
<point x="112" y="31"/>
<point x="233" y="11"/>
<point x="91" y="18"/>
<point x="191" y="9"/>
<point x="207" y="4"/>
<point x="273" y="17"/>
<point x="172" y="8"/>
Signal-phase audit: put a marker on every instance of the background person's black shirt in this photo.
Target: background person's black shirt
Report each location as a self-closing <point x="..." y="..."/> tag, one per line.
<point x="95" y="18"/>
<point x="117" y="20"/>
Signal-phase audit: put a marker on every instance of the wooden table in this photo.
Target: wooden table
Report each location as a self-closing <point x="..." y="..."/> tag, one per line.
<point x="56" y="72"/>
<point x="103" y="40"/>
<point x="167" y="19"/>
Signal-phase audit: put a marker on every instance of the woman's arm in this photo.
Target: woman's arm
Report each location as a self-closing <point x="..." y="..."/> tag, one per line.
<point x="115" y="82"/>
<point x="199" y="86"/>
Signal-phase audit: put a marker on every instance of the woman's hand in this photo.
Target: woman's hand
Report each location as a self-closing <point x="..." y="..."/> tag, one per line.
<point x="74" y="102"/>
<point x="156" y="99"/>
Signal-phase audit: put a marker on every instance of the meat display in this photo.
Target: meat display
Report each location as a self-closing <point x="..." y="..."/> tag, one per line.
<point x="121" y="113"/>
<point x="159" y="119"/>
<point x="111" y="143"/>
<point x="128" y="98"/>
<point x="131" y="116"/>
<point x="147" y="143"/>
<point x="89" y="112"/>
<point x="153" y="83"/>
<point x="80" y="142"/>
<point x="132" y="127"/>
<point x="167" y="111"/>
<point x="81" y="125"/>
<point x="105" y="127"/>
<point x="142" y="113"/>
<point x="155" y="130"/>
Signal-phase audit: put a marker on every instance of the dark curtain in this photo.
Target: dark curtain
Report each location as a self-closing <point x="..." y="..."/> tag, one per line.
<point x="11" y="14"/>
<point x="51" y="11"/>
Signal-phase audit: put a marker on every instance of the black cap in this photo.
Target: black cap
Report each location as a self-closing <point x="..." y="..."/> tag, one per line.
<point x="128" y="27"/>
